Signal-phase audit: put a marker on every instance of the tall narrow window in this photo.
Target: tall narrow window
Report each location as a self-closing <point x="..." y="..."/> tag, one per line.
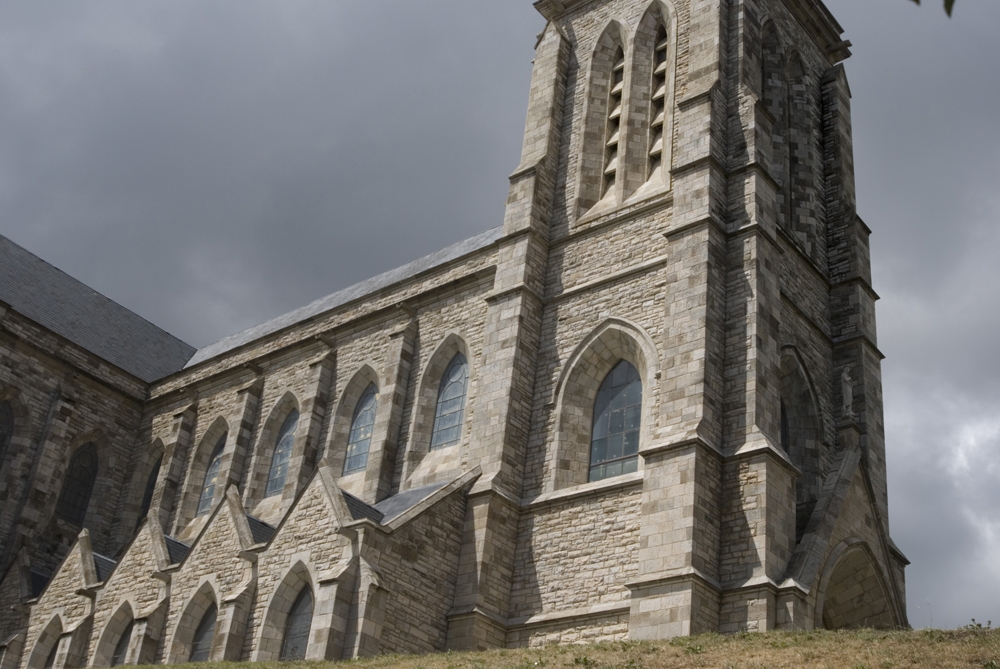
<point x="6" y="428"/>
<point x="211" y="477"/>
<point x="76" y="491"/>
<point x="451" y="403"/>
<point x="201" y="644"/>
<point x="50" y="659"/>
<point x="147" y="495"/>
<point x="121" y="648"/>
<point x="786" y="434"/>
<point x="613" y="133"/>
<point x="659" y="105"/>
<point x="297" y="627"/>
<point x="614" y="445"/>
<point x="362" y="426"/>
<point x="282" y="455"/>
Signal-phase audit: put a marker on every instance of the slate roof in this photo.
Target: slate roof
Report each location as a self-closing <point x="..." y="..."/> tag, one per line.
<point x="397" y="505"/>
<point x="361" y="509"/>
<point x="38" y="583"/>
<point x="104" y="567"/>
<point x="176" y="550"/>
<point x="346" y="295"/>
<point x="261" y="531"/>
<point x="67" y="307"/>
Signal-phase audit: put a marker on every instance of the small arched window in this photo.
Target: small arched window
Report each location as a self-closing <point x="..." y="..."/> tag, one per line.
<point x="297" y="627"/>
<point x="613" y="132"/>
<point x="614" y="445"/>
<point x="79" y="484"/>
<point x="362" y="426"/>
<point x="121" y="648"/>
<point x="659" y="108"/>
<point x="451" y="403"/>
<point x="201" y="644"/>
<point x="282" y="455"/>
<point x="211" y="477"/>
<point x="147" y="495"/>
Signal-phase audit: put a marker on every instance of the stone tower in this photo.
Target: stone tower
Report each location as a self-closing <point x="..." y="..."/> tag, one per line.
<point x="646" y="405"/>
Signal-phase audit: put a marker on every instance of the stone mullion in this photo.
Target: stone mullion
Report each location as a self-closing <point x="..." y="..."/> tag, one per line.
<point x="389" y="415"/>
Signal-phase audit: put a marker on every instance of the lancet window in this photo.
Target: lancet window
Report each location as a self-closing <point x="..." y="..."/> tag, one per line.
<point x="211" y="477"/>
<point x="201" y="644"/>
<point x="659" y="110"/>
<point x="121" y="648"/>
<point x="282" y="455"/>
<point x="147" y="495"/>
<point x="362" y="426"/>
<point x="614" y="445"/>
<point x="613" y="133"/>
<point x="297" y="627"/>
<point x="6" y="427"/>
<point x="79" y="485"/>
<point x="451" y="403"/>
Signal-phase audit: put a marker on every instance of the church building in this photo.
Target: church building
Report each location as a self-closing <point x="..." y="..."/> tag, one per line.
<point x="647" y="404"/>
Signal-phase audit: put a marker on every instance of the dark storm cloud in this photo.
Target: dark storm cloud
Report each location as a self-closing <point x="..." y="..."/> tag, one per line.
<point x="211" y="164"/>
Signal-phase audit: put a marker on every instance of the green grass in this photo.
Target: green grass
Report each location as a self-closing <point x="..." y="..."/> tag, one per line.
<point x="969" y="648"/>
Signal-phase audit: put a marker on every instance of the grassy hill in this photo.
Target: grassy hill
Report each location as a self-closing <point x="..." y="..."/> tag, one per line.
<point x="967" y="648"/>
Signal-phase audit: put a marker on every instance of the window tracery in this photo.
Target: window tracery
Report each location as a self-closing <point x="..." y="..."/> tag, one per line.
<point x="201" y="644"/>
<point x="451" y="404"/>
<point x="614" y="446"/>
<point x="282" y="455"/>
<point x="211" y="477"/>
<point x="362" y="426"/>
<point x="297" y="627"/>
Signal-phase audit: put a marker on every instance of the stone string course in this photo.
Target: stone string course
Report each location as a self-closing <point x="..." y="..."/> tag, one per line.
<point x="738" y="284"/>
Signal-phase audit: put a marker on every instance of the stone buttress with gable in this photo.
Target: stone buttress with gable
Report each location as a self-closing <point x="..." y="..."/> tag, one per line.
<point x="646" y="405"/>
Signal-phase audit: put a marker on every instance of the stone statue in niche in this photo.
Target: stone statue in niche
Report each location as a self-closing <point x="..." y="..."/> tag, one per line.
<point x="847" y="392"/>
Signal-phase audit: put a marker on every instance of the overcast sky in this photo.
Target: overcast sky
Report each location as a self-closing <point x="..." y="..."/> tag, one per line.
<point x="211" y="164"/>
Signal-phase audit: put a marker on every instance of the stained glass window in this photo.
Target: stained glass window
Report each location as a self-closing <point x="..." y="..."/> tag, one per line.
<point x="362" y="426"/>
<point x="50" y="659"/>
<point x="297" y="627"/>
<point x="118" y="657"/>
<point x="80" y="477"/>
<point x="451" y="403"/>
<point x="147" y="495"/>
<point x="211" y="477"/>
<point x="282" y="455"/>
<point x="201" y="644"/>
<point x="614" y="445"/>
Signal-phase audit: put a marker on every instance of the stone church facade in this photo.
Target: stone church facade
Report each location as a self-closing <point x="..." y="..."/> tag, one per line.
<point x="647" y="405"/>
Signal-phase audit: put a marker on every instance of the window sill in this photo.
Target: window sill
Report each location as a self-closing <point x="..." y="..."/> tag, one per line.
<point x="624" y="482"/>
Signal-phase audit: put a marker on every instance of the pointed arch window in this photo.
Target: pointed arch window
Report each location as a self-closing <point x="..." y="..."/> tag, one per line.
<point x="362" y="426"/>
<point x="50" y="659"/>
<point x="6" y="427"/>
<point x="613" y="133"/>
<point x="211" y="477"/>
<point x="201" y="644"/>
<point x="614" y="444"/>
<point x="121" y="648"/>
<point x="297" y="627"/>
<point x="282" y="455"/>
<point x="451" y="403"/>
<point x="658" y="112"/>
<point x="79" y="485"/>
<point x="147" y="495"/>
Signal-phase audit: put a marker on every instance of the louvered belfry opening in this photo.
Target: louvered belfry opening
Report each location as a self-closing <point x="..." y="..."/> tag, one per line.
<point x="614" y="122"/>
<point x="659" y="109"/>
